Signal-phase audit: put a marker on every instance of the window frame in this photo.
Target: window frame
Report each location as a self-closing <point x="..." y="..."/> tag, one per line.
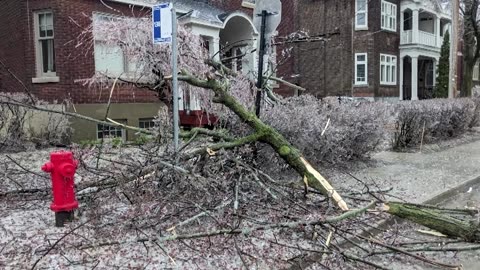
<point x="41" y="76"/>
<point x="357" y="25"/>
<point x="385" y="16"/>
<point x="149" y="120"/>
<point x="357" y="63"/>
<point x="127" y="64"/>
<point x="391" y="66"/>
<point x="123" y="131"/>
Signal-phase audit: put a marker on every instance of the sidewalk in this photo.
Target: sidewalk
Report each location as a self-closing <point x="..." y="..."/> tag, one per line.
<point x="418" y="177"/>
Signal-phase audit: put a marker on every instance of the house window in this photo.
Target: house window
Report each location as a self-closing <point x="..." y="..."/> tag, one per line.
<point x="388" y="69"/>
<point x="361" y="68"/>
<point x="234" y="57"/>
<point x="361" y="14"/>
<point x="429" y="81"/>
<point x="389" y="16"/>
<point x="109" y="132"/>
<point x="110" y="58"/>
<point x="146" y="123"/>
<point x="475" y="72"/>
<point x="45" y="45"/>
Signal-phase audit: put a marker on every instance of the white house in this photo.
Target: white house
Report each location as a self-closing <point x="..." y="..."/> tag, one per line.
<point x="423" y="24"/>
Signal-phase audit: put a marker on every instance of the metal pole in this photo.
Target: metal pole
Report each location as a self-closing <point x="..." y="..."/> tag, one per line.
<point x="261" y="54"/>
<point x="176" y="129"/>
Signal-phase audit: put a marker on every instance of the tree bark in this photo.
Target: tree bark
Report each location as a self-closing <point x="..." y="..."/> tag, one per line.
<point x="467" y="83"/>
<point x="441" y="220"/>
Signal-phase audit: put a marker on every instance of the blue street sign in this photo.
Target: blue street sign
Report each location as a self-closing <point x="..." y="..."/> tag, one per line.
<point x="162" y="23"/>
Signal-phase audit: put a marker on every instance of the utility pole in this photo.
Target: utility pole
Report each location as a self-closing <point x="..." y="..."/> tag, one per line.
<point x="176" y="128"/>
<point x="452" y="87"/>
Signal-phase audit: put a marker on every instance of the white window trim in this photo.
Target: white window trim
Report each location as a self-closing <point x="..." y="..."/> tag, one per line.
<point x="393" y="63"/>
<point x="41" y="77"/>
<point x="365" y="63"/>
<point x="361" y="26"/>
<point x="248" y="4"/>
<point x="387" y="17"/>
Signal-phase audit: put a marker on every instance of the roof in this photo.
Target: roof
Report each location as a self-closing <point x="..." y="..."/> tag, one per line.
<point x="194" y="9"/>
<point x="146" y="3"/>
<point x="200" y="10"/>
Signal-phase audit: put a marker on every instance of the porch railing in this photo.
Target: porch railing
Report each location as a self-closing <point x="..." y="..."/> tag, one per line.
<point x="407" y="37"/>
<point x="424" y="38"/>
<point x="427" y="39"/>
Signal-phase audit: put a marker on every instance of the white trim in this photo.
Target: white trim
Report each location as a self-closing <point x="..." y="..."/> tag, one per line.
<point x="38" y="50"/>
<point x="243" y="15"/>
<point x="361" y="26"/>
<point x="46" y="80"/>
<point x="365" y="64"/>
<point x="391" y="70"/>
<point x="247" y="4"/>
<point x="386" y="16"/>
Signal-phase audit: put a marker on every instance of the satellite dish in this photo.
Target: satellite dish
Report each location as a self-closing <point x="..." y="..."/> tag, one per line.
<point x="274" y="15"/>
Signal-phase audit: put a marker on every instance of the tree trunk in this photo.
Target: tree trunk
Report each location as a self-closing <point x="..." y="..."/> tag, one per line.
<point x="286" y="150"/>
<point x="445" y="221"/>
<point x="267" y="134"/>
<point x="467" y="83"/>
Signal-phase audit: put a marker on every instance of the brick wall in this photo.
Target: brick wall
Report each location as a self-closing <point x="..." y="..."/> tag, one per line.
<point x="375" y="41"/>
<point x="72" y="63"/>
<point x="12" y="43"/>
<point x="327" y="68"/>
<point x="286" y="67"/>
<point x="229" y="5"/>
<point x="324" y="66"/>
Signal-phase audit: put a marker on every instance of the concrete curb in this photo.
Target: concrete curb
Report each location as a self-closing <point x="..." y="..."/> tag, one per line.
<point x="446" y="195"/>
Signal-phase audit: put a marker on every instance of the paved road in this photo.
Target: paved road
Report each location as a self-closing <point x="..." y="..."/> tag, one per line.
<point x="417" y="177"/>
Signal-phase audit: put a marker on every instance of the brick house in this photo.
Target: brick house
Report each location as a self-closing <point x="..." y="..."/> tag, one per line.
<point x="372" y="49"/>
<point x="38" y="43"/>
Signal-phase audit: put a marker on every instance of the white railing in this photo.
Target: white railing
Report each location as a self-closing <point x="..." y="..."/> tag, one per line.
<point x="427" y="39"/>
<point x="407" y="37"/>
<point x="424" y="38"/>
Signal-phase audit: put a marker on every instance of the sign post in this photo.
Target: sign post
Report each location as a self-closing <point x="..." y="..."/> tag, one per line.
<point x="165" y="31"/>
<point x="266" y="17"/>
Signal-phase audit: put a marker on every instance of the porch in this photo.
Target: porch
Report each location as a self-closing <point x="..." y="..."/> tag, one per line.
<point x="422" y="27"/>
<point x="418" y="75"/>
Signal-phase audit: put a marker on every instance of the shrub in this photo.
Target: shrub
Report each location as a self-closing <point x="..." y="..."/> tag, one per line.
<point x="354" y="130"/>
<point x="357" y="129"/>
<point x="476" y="116"/>
<point x="21" y="128"/>
<point x="431" y="120"/>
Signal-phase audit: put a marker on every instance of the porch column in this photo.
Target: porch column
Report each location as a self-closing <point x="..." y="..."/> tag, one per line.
<point x="438" y="32"/>
<point x="402" y="21"/>
<point x="414" y="77"/>
<point x="435" y="61"/>
<point x="215" y="47"/>
<point x="401" y="78"/>
<point x="415" y="21"/>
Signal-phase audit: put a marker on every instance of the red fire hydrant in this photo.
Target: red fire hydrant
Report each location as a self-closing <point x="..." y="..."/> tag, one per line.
<point x="62" y="168"/>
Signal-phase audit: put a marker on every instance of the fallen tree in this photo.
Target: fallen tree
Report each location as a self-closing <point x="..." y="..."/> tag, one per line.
<point x="455" y="223"/>
<point x="176" y="202"/>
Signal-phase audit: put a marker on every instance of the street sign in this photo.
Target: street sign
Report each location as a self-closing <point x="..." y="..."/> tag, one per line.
<point x="274" y="15"/>
<point x="162" y="23"/>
